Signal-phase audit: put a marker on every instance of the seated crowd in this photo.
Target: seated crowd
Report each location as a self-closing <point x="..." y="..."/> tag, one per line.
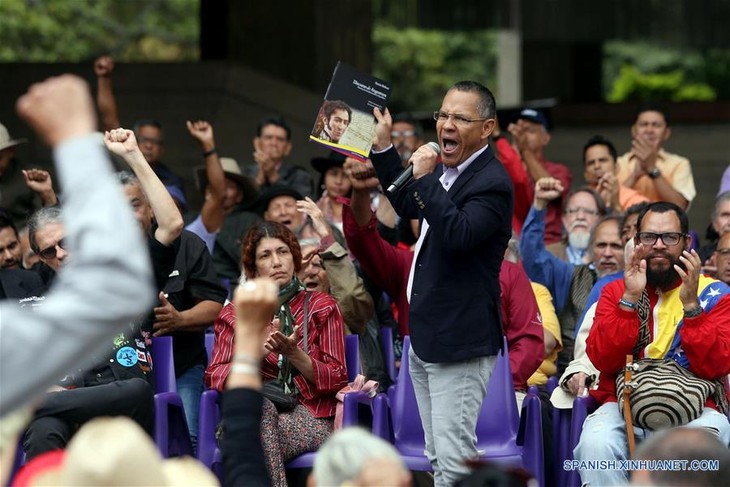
<point x="281" y="270"/>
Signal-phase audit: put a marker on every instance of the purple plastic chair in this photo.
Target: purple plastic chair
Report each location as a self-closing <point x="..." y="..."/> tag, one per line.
<point x="171" y="428"/>
<point x="582" y="407"/>
<point x="209" y="345"/>
<point x="561" y="436"/>
<point x="386" y="342"/>
<point x="352" y="362"/>
<point x="694" y="240"/>
<point x="502" y="435"/>
<point x="208" y="451"/>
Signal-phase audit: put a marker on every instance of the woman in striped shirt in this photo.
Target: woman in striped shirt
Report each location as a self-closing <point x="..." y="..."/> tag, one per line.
<point x="313" y="372"/>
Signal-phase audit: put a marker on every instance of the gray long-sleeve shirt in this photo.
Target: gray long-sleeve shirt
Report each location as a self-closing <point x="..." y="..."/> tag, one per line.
<point x="106" y="283"/>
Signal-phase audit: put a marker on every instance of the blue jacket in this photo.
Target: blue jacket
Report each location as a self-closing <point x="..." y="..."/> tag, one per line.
<point x="542" y="266"/>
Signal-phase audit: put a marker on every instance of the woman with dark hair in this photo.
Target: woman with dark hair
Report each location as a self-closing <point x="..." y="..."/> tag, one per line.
<point x="312" y="373"/>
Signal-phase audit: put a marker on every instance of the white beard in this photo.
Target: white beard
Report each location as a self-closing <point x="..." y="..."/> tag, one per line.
<point x="579" y="240"/>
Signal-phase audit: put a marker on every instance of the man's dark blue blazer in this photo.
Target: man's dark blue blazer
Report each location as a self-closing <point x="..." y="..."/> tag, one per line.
<point x="455" y="305"/>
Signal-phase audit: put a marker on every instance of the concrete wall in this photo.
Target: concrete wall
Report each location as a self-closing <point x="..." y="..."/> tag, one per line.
<point x="235" y="98"/>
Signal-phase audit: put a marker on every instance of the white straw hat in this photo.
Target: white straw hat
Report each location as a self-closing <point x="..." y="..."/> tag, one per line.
<point x="5" y="139"/>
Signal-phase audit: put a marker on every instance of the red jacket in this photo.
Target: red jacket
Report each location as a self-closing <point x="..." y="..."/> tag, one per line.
<point x="524" y="189"/>
<point x="704" y="340"/>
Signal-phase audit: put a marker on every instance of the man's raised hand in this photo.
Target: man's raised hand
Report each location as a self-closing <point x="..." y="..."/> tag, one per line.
<point x="103" y="66"/>
<point x="546" y="190"/>
<point x="202" y="131"/>
<point x="58" y="109"/>
<point x="382" y="138"/>
<point x="121" y="142"/>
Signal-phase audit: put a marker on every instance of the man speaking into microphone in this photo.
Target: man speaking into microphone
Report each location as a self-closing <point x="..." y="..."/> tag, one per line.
<point x="465" y="208"/>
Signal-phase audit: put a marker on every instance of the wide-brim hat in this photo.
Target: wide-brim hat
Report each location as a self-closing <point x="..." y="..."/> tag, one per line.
<point x="5" y="139"/>
<point x="232" y="170"/>
<point x="275" y="191"/>
<point x="113" y="452"/>
<point x="334" y="159"/>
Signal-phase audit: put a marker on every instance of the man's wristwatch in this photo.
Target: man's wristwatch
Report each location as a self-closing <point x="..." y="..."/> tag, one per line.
<point x="693" y="313"/>
<point x="655" y="173"/>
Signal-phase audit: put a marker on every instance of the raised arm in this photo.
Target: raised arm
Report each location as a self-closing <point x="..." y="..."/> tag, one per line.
<point x="531" y="158"/>
<point x="346" y="286"/>
<point x="103" y="68"/>
<point x="106" y="284"/>
<point x="380" y="261"/>
<point x="541" y="266"/>
<point x="364" y="180"/>
<point x="242" y="403"/>
<point x="40" y="182"/>
<point x="212" y="212"/>
<point x="647" y="153"/>
<point x="170" y="223"/>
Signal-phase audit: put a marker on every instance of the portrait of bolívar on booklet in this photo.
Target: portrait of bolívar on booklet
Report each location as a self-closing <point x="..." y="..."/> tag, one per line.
<point x="345" y="121"/>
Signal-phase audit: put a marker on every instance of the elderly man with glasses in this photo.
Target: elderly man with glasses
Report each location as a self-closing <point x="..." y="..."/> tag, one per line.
<point x="596" y="244"/>
<point x="118" y="382"/>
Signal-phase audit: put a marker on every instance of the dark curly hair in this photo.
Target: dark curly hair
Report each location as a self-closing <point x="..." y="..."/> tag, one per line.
<point x="263" y="230"/>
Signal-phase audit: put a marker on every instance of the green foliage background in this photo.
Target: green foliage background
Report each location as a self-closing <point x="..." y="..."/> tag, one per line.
<point x="77" y="30"/>
<point x="422" y="64"/>
<point x="643" y="72"/>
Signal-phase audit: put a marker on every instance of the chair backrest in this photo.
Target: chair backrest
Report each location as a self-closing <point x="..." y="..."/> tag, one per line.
<point x="386" y="342"/>
<point x="407" y="428"/>
<point x="163" y="364"/>
<point x="499" y="419"/>
<point x="209" y="345"/>
<point x="694" y="240"/>
<point x="352" y="357"/>
<point x="498" y="422"/>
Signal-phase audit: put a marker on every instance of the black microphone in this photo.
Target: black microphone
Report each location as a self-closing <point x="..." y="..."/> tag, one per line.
<point x="407" y="175"/>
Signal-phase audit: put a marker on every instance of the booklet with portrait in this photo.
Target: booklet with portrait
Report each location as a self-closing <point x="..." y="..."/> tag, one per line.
<point x="345" y="121"/>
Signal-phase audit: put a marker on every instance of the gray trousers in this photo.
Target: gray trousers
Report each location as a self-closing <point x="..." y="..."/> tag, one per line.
<point x="449" y="398"/>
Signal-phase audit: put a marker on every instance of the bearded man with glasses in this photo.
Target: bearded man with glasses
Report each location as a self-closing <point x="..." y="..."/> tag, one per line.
<point x="663" y="308"/>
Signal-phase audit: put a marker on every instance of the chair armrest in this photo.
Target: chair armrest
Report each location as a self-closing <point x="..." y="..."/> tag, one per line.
<point x="382" y="426"/>
<point x="582" y="407"/>
<point x="351" y="412"/>
<point x="208" y="419"/>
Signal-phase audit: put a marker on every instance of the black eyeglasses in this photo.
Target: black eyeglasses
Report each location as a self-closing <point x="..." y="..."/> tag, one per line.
<point x="458" y="119"/>
<point x="669" y="239"/>
<point x="50" y="252"/>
